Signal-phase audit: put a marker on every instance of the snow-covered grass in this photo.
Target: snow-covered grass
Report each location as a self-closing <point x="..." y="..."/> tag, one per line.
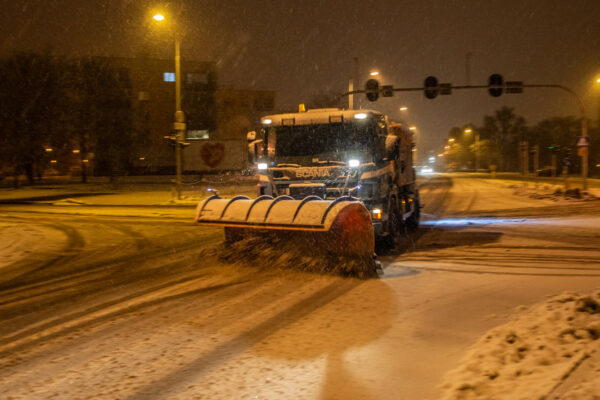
<point x="103" y="194"/>
<point x="534" y="354"/>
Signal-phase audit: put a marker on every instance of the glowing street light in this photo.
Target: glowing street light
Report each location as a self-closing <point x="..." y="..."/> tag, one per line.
<point x="374" y="73"/>
<point x="403" y="108"/>
<point x="451" y="140"/>
<point x="468" y="130"/>
<point x="159" y="17"/>
<point x="413" y="128"/>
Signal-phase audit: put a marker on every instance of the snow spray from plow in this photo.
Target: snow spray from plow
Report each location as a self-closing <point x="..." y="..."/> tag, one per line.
<point x="340" y="228"/>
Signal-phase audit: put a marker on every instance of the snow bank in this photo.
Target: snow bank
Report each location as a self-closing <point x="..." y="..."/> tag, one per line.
<point x="535" y="355"/>
<point x="554" y="193"/>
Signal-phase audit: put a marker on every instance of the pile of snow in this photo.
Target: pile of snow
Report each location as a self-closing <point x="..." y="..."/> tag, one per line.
<point x="553" y="192"/>
<point x="536" y="355"/>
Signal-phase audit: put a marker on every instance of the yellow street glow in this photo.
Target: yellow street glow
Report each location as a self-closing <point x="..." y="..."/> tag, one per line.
<point x="86" y="160"/>
<point x="598" y="80"/>
<point x="159" y="17"/>
<point x="451" y="140"/>
<point x="413" y="128"/>
<point x="48" y="150"/>
<point x="53" y="161"/>
<point x="376" y="212"/>
<point x="76" y="151"/>
<point x="374" y="73"/>
<point x="467" y="131"/>
<point x="403" y="108"/>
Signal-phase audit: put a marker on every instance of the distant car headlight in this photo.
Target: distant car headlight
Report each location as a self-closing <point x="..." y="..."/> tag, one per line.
<point x="266" y="121"/>
<point x="376" y="213"/>
<point x="262" y="166"/>
<point x="354" y="163"/>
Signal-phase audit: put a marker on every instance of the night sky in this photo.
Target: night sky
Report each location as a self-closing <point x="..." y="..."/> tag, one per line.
<point x="300" y="48"/>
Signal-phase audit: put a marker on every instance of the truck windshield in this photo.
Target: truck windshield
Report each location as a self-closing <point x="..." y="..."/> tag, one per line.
<point x="333" y="142"/>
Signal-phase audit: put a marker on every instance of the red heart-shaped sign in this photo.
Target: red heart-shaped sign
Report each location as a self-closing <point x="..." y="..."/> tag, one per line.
<point x="212" y="153"/>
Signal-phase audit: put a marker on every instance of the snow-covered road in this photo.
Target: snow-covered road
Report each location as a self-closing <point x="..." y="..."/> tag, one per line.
<point x="97" y="303"/>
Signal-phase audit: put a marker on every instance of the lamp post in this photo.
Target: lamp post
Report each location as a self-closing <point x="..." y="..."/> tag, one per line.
<point x="179" y="124"/>
<point x="469" y="130"/>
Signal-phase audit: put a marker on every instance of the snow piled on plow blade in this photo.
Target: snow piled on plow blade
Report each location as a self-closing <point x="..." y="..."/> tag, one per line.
<point x="285" y="251"/>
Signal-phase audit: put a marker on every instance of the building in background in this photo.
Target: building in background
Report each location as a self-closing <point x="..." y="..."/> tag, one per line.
<point x="211" y="113"/>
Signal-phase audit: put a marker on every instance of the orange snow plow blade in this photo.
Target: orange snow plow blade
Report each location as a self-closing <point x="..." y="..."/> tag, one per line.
<point x="341" y="227"/>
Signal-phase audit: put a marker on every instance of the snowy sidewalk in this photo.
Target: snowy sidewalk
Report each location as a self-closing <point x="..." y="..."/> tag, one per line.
<point x="116" y="195"/>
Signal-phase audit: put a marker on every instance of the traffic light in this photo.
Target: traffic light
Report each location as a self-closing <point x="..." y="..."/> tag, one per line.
<point x="495" y="80"/>
<point x="431" y="87"/>
<point x="372" y="89"/>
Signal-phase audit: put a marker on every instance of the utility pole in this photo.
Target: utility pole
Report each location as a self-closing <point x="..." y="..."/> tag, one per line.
<point x="351" y="96"/>
<point x="356" y="81"/>
<point x="477" y="155"/>
<point x="536" y="162"/>
<point x="468" y="68"/>
<point x="179" y="119"/>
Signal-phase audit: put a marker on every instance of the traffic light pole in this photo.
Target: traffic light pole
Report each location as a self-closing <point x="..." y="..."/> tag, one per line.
<point x="448" y="88"/>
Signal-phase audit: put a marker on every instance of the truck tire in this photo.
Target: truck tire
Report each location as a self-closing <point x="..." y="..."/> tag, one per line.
<point x="412" y="222"/>
<point x="394" y="226"/>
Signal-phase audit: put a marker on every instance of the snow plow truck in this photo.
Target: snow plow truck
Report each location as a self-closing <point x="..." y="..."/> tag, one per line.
<point x="340" y="180"/>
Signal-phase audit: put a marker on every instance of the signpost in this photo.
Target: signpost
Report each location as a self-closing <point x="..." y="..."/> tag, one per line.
<point x="583" y="144"/>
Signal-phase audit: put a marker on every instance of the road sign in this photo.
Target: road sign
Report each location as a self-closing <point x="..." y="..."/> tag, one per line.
<point x="445" y="88"/>
<point x="514" y="87"/>
<point x="431" y="87"/>
<point x="495" y="80"/>
<point x="583" y="141"/>
<point x="387" y="91"/>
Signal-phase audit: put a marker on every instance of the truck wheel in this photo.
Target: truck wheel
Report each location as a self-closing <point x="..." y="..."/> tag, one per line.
<point x="412" y="222"/>
<point x="394" y="226"/>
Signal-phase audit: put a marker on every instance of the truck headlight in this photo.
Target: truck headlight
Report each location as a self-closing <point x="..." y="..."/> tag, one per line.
<point x="354" y="163"/>
<point x="262" y="166"/>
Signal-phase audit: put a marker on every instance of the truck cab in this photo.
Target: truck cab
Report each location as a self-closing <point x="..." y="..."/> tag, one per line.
<point x="334" y="153"/>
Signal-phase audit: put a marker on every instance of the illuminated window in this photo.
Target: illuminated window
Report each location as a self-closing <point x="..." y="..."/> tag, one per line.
<point x="169" y="76"/>
<point x="197" y="134"/>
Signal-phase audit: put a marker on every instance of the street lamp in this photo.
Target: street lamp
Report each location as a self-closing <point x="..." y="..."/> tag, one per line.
<point x="179" y="124"/>
<point x="374" y="73"/>
<point x="469" y="130"/>
<point x="403" y="108"/>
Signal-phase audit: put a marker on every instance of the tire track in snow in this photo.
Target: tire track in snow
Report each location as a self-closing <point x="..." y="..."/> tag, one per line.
<point x="179" y="379"/>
